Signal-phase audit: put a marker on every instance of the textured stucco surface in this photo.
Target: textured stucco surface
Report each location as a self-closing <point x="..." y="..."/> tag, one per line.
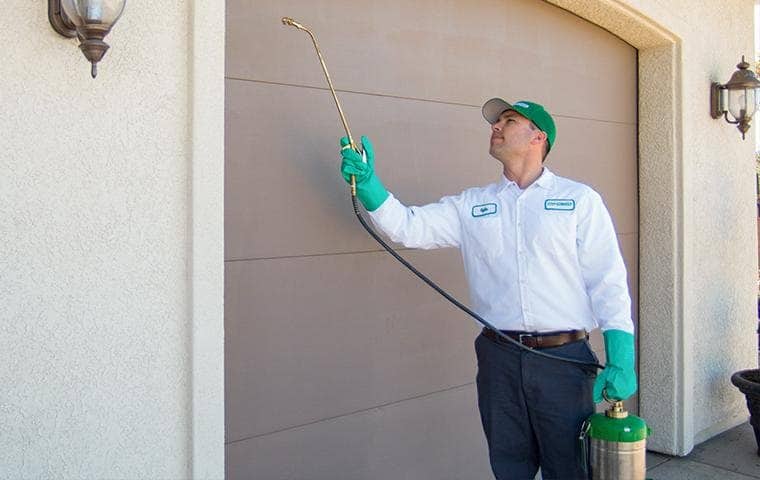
<point x="660" y="352"/>
<point x="698" y="238"/>
<point x="97" y="289"/>
<point x="719" y="222"/>
<point x="207" y="238"/>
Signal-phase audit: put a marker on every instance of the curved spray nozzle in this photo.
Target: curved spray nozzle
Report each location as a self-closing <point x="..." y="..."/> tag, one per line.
<point x="289" y="21"/>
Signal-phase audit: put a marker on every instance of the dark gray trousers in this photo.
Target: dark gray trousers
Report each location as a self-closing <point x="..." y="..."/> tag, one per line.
<point x="532" y="408"/>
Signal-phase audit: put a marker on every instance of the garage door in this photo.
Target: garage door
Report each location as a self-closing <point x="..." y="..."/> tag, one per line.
<point x="339" y="363"/>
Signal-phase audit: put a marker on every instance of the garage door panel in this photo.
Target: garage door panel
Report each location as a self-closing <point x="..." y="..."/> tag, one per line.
<point x="445" y="51"/>
<point x="284" y="193"/>
<point x="315" y="337"/>
<point x="599" y="154"/>
<point x="339" y="363"/>
<point x="434" y="437"/>
<point x="629" y="246"/>
<point x="281" y="175"/>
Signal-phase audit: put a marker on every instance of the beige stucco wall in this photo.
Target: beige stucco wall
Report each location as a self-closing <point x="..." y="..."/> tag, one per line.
<point x="110" y="269"/>
<point x="720" y="240"/>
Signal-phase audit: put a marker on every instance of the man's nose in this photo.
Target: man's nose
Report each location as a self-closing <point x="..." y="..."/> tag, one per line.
<point x="496" y="127"/>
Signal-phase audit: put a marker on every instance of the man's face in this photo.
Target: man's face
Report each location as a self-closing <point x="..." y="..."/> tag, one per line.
<point x="511" y="134"/>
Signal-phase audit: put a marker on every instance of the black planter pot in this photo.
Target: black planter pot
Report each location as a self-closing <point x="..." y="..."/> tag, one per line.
<point x="748" y="382"/>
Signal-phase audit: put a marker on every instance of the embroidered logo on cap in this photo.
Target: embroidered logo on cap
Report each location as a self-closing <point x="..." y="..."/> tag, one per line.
<point x="521" y="104"/>
<point x="559" y="204"/>
<point x="484" y="209"/>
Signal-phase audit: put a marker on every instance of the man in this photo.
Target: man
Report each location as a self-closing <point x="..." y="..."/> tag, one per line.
<point x="543" y="265"/>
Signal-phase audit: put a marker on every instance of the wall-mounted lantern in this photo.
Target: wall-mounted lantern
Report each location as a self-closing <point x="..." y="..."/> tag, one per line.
<point x="739" y="97"/>
<point x="89" y="20"/>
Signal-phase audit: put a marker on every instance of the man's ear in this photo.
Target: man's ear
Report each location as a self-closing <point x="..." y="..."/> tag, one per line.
<point x="540" y="137"/>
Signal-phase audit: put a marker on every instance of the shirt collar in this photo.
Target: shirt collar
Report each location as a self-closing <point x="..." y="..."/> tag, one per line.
<point x="545" y="180"/>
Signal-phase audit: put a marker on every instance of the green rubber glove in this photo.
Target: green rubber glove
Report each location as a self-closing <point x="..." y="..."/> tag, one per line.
<point x="369" y="188"/>
<point x="619" y="376"/>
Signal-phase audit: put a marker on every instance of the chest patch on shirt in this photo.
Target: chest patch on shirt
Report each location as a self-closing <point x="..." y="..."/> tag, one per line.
<point x="559" y="204"/>
<point x="484" y="209"/>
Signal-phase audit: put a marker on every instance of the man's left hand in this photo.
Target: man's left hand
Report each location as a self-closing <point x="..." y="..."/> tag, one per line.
<point x="618" y="378"/>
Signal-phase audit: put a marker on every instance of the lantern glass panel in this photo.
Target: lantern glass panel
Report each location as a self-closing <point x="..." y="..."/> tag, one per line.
<point x="742" y="103"/>
<point x="93" y="12"/>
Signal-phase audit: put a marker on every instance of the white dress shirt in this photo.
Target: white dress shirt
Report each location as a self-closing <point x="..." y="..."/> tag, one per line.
<point x="541" y="259"/>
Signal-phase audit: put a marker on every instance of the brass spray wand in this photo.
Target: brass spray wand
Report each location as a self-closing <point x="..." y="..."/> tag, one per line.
<point x="352" y="145"/>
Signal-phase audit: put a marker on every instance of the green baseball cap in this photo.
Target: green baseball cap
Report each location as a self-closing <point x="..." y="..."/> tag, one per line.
<point x="534" y="112"/>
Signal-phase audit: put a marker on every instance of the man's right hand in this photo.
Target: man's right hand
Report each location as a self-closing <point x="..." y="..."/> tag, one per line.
<point x="369" y="188"/>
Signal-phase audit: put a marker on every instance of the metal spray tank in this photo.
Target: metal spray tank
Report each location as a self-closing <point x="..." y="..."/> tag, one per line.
<point x="617" y="442"/>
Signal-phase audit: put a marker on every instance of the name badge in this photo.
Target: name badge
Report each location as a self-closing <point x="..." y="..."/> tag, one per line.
<point x="484" y="209"/>
<point x="559" y="204"/>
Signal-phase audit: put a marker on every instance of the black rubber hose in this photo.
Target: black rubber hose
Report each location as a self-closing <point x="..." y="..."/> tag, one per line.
<point x="456" y="302"/>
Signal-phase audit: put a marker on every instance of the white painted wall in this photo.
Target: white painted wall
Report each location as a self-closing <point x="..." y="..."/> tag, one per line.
<point x="99" y="283"/>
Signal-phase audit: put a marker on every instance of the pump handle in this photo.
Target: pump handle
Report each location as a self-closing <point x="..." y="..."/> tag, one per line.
<point x="608" y="399"/>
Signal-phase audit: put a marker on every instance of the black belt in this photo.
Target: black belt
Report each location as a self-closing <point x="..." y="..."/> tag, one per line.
<point x="536" y="339"/>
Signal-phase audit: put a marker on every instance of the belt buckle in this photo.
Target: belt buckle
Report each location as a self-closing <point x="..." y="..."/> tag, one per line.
<point x="521" y="335"/>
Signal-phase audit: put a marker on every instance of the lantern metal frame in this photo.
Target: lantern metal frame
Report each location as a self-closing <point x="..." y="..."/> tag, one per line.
<point x="90" y="35"/>
<point x="742" y="79"/>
